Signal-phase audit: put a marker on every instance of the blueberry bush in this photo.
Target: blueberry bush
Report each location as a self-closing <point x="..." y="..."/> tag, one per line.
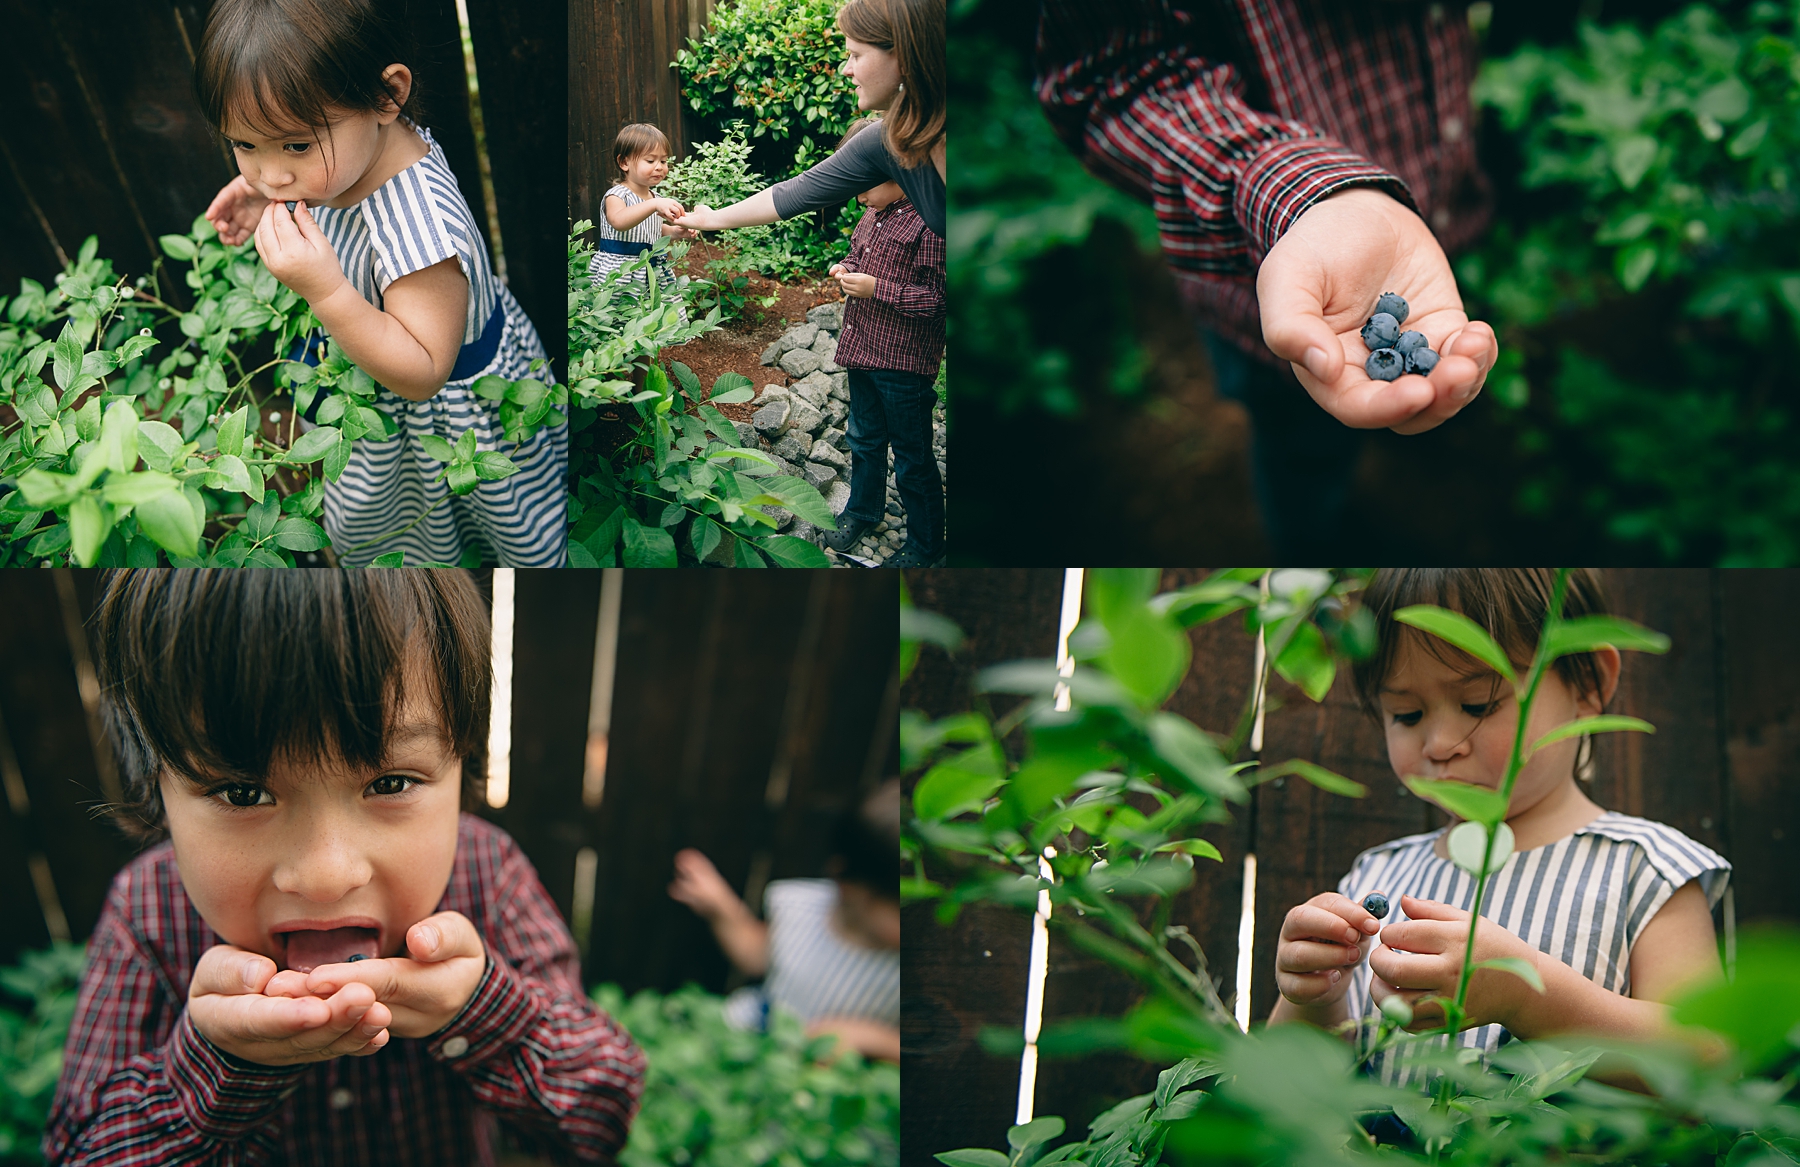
<point x="681" y="487"/>
<point x="37" y="1001"/>
<point x="132" y="431"/>
<point x="1290" y="1093"/>
<point x="715" y="1096"/>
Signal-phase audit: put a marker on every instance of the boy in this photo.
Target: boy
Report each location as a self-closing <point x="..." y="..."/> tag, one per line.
<point x="892" y="343"/>
<point x="303" y="743"/>
<point x="830" y="950"/>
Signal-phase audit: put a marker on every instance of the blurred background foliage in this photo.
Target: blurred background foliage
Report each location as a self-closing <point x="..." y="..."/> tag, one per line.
<point x="1643" y="273"/>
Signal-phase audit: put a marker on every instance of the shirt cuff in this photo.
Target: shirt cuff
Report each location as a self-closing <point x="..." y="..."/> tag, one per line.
<point x="1286" y="178"/>
<point x="223" y="1096"/>
<point x="498" y="1016"/>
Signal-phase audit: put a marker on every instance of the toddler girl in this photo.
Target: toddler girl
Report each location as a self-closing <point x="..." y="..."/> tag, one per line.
<point x="634" y="215"/>
<point x="1614" y="912"/>
<point x="353" y="206"/>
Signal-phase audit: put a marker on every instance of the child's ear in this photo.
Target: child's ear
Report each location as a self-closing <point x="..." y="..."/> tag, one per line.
<point x="1607" y="662"/>
<point x="398" y="79"/>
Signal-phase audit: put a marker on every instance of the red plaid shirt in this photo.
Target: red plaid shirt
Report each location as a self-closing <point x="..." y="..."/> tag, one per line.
<point x="902" y="325"/>
<point x="141" y="1086"/>
<point x="1231" y="117"/>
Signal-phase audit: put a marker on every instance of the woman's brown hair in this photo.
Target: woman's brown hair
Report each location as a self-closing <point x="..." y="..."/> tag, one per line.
<point x="1510" y="603"/>
<point x="913" y="30"/>
<point x="215" y="675"/>
<point x="274" y="63"/>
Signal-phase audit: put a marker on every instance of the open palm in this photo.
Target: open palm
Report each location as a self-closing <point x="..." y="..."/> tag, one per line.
<point x="1318" y="286"/>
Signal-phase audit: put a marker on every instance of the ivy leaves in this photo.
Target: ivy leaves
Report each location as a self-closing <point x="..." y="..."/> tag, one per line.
<point x="468" y="467"/>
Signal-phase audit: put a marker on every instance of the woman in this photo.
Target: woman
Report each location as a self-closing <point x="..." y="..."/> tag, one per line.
<point x="895" y="51"/>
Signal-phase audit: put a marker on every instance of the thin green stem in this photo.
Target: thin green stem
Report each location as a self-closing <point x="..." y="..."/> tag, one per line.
<point x="403" y="530"/>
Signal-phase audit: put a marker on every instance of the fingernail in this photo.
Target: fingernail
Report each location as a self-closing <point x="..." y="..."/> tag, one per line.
<point x="428" y="939"/>
<point x="372" y="1030"/>
<point x="1335" y="974"/>
<point x="1314" y="360"/>
<point x="250" y="973"/>
<point x="1351" y="935"/>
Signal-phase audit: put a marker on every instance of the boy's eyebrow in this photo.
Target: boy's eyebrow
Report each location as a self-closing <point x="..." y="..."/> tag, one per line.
<point x="414" y="732"/>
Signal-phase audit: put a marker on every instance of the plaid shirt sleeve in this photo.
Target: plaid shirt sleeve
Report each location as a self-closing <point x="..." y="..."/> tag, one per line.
<point x="139" y="1083"/>
<point x="531" y="1046"/>
<point x="919" y="292"/>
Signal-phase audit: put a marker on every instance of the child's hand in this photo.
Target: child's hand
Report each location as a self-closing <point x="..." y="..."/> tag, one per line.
<point x="426" y="991"/>
<point x="698" y="219"/>
<point x="1321" y="941"/>
<point x="297" y="252"/>
<point x="1423" y="956"/>
<point x="836" y="270"/>
<point x="668" y="208"/>
<point x="235" y="211"/>
<point x="228" y="1006"/>
<point x="699" y="885"/>
<point x="1318" y="286"/>
<point x="859" y="285"/>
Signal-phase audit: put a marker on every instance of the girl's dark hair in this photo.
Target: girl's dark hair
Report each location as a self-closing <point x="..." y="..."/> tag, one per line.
<point x="638" y="138"/>
<point x="215" y="675"/>
<point x="856" y="127"/>
<point x="866" y="843"/>
<point x="913" y="30"/>
<point x="271" y="63"/>
<point x="1510" y="603"/>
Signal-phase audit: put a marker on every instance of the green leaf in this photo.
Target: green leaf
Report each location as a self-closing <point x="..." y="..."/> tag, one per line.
<point x="491" y="388"/>
<point x="971" y="1158"/>
<point x="1035" y="1132"/>
<point x="260" y="520"/>
<point x="68" y="357"/>
<point x="1307" y="661"/>
<point x="391" y="559"/>
<point x="178" y="247"/>
<point x="462" y="478"/>
<point x="337" y="458"/>
<point x="231" y="432"/>
<point x="1326" y="780"/>
<point x="134" y="489"/>
<point x="1460" y="631"/>
<point x="1631" y="158"/>
<point x="230" y="473"/>
<point x="89" y="525"/>
<point x="437" y="448"/>
<point x="172" y="522"/>
<point x="791" y="551"/>
<point x="465" y="445"/>
<point x="313" y="445"/>
<point x="1149" y="654"/>
<point x="1586" y="633"/>
<point x="298" y="534"/>
<point x="704" y="536"/>
<point x="1605" y="723"/>
<point x="490" y="466"/>
<point x="1635" y="264"/>
<point x="1758" y="1011"/>
<point x="1194" y="847"/>
<point x="1194" y="756"/>
<point x="1522" y="969"/>
<point x="1476" y="804"/>
<point x="159" y="443"/>
<point x="948" y="789"/>
<point x="798" y="496"/>
<point x="648" y="546"/>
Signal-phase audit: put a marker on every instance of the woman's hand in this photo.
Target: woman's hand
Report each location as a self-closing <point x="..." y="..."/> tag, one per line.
<point x="1422" y="956"/>
<point x="235" y="211"/>
<point x="697" y="219"/>
<point x="297" y="252"/>
<point x="1318" y="286"/>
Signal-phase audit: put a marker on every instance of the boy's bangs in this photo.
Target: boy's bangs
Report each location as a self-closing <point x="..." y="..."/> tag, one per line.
<point x="216" y="675"/>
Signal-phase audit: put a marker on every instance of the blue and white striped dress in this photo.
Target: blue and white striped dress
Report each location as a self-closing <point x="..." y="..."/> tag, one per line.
<point x="1584" y="900"/>
<point x="646" y="232"/>
<point x="414" y="220"/>
<point x="813" y="971"/>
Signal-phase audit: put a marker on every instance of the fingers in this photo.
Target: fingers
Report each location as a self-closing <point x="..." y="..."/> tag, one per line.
<point x="1407" y="970"/>
<point x="443" y="936"/>
<point x="355" y="1018"/>
<point x="1309" y="956"/>
<point x="1291" y="298"/>
<point x="1468" y="355"/>
<point x="1418" y="909"/>
<point x="230" y="971"/>
<point x="1305" y="988"/>
<point x="287" y="983"/>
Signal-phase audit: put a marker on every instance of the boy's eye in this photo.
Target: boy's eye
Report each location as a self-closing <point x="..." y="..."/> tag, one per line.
<point x="243" y="795"/>
<point x="392" y="784"/>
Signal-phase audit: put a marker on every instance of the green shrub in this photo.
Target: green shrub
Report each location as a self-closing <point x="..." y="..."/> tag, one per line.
<point x="715" y="1096"/>
<point x="139" y="472"/>
<point x="31" y="1045"/>
<point x="681" y="488"/>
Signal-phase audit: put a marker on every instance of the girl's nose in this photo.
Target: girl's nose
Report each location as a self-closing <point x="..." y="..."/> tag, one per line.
<point x="1446" y="738"/>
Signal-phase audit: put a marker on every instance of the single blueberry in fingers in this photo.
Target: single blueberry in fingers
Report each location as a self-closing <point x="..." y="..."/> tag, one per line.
<point x="1384" y="364"/>
<point x="1381" y="331"/>
<point x="1393" y="305"/>
<point x="1421" y="360"/>
<point x="1376" y="905"/>
<point x="354" y="957"/>
<point x="290" y="208"/>
<point x="1409" y="341"/>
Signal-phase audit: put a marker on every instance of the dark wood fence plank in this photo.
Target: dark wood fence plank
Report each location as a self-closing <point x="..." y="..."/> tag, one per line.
<point x="443" y="86"/>
<point x="522" y="64"/>
<point x="1761" y="643"/>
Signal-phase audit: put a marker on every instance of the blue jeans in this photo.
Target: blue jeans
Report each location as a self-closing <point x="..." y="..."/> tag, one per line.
<point x="891" y="407"/>
<point x="1302" y="459"/>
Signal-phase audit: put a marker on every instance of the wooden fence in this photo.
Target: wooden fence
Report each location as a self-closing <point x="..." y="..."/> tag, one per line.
<point x="101" y="135"/>
<point x="1727" y="712"/>
<point x="620" y="58"/>
<point x="748" y="709"/>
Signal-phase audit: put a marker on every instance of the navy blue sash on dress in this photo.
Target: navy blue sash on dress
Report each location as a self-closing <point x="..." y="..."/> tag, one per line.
<point x="473" y="357"/>
<point x="629" y="247"/>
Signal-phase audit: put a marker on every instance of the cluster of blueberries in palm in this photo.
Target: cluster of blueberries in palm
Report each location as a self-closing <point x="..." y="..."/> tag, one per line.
<point x="1392" y="352"/>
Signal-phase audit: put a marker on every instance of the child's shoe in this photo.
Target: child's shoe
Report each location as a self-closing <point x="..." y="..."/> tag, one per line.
<point x="846" y="534"/>
<point x="910" y="556"/>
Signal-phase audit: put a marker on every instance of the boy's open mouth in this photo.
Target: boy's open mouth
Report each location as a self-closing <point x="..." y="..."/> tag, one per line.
<point x="307" y="948"/>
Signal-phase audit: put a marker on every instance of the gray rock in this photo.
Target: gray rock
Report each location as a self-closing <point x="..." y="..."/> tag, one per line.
<point x="829" y="315"/>
<point x="817" y="474"/>
<point x="799" y="362"/>
<point x="725" y="553"/>
<point x="831" y="366"/>
<point x="835" y="437"/>
<point x="783" y="466"/>
<point x="783" y="517"/>
<point x="772" y="393"/>
<point x="802" y="335"/>
<point x="793" y="446"/>
<point x="746" y="434"/>
<point x="776" y="347"/>
<point x="814" y="389"/>
<point x="840" y="386"/>
<point x="805" y="531"/>
<point x="804" y="418"/>
<point x="836" y="412"/>
<point x="824" y="344"/>
<point x="772" y="419"/>
<point x="831" y="456"/>
<point x="837" y="496"/>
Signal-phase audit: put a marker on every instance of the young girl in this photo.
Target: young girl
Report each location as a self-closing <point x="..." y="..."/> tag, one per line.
<point x="1614" y="912"/>
<point x="634" y="218"/>
<point x="353" y="206"/>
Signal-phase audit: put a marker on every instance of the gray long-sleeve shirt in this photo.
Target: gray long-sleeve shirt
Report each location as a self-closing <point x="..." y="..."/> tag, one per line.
<point x="864" y="162"/>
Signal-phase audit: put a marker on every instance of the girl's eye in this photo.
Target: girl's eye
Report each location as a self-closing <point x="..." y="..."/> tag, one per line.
<point x="1406" y="718"/>
<point x="1480" y="710"/>
<point x="242" y="796"/>
<point x="391" y="784"/>
<point x="298" y="147"/>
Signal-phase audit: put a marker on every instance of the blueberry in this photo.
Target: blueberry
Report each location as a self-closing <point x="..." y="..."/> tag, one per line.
<point x="1376" y="905"/>
<point x="1409" y="341"/>
<point x="1393" y="305"/>
<point x="1381" y="331"/>
<point x="1421" y="360"/>
<point x="353" y="959"/>
<point x="1384" y="364"/>
<point x="290" y="208"/>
